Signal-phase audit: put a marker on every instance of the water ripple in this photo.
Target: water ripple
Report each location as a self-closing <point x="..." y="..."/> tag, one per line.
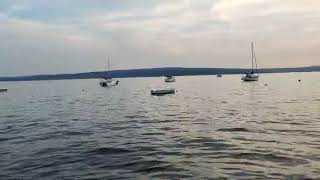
<point x="212" y="129"/>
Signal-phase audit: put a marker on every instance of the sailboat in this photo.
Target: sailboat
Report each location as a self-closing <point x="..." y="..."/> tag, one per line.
<point x="108" y="81"/>
<point x="254" y="74"/>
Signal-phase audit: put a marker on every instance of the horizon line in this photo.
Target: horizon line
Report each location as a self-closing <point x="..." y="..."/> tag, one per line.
<point x="150" y="68"/>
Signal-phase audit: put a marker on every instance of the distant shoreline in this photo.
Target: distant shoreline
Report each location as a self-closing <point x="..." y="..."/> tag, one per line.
<point x="157" y="72"/>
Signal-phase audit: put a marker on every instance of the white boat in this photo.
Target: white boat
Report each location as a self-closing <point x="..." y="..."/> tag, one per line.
<point x="169" y="79"/>
<point x="250" y="77"/>
<point x="161" y="92"/>
<point x="108" y="81"/>
<point x="254" y="74"/>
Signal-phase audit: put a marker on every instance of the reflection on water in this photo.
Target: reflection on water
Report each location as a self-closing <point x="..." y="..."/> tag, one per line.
<point x="212" y="127"/>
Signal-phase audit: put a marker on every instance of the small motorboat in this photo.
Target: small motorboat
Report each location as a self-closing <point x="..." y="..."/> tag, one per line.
<point x="161" y="92"/>
<point x="219" y="75"/>
<point x="170" y="79"/>
<point x="3" y="90"/>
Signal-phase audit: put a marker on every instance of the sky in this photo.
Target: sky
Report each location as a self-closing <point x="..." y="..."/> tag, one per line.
<point x="69" y="36"/>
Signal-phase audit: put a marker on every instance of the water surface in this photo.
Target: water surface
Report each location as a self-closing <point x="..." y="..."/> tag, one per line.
<point x="212" y="127"/>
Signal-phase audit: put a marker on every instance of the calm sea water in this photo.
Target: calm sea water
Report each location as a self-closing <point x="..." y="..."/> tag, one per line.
<point x="212" y="127"/>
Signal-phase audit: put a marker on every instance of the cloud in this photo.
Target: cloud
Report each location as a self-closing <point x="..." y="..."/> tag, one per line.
<point x="75" y="36"/>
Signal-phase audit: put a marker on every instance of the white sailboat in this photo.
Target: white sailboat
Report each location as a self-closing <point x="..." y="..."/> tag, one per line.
<point x="108" y="81"/>
<point x="254" y="74"/>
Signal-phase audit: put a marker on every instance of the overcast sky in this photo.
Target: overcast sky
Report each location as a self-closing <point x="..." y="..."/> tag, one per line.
<point x="67" y="36"/>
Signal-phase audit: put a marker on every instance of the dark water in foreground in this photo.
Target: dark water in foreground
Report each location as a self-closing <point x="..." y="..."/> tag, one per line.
<point x="213" y="127"/>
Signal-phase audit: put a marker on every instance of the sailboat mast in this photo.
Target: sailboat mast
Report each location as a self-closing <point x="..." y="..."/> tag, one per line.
<point x="252" y="58"/>
<point x="108" y="65"/>
<point x="255" y="61"/>
<point x="109" y="75"/>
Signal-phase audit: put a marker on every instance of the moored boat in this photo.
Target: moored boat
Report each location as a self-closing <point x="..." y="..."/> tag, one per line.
<point x="108" y="81"/>
<point x="3" y="90"/>
<point x="254" y="74"/>
<point x="161" y="92"/>
<point x="169" y="79"/>
<point x="250" y="77"/>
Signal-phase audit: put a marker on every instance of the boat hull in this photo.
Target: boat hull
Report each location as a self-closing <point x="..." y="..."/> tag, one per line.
<point x="248" y="79"/>
<point x="3" y="90"/>
<point x="169" y="80"/>
<point x="162" y="92"/>
<point x="109" y="83"/>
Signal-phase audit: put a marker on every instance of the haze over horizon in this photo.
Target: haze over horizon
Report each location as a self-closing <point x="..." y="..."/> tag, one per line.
<point x="52" y="37"/>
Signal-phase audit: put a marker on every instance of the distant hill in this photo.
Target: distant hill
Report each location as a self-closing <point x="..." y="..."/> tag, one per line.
<point x="155" y="72"/>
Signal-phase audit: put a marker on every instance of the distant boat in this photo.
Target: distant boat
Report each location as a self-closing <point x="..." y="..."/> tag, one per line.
<point x="3" y="90"/>
<point x="108" y="81"/>
<point x="169" y="79"/>
<point x="219" y="75"/>
<point x="161" y="92"/>
<point x="254" y="74"/>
